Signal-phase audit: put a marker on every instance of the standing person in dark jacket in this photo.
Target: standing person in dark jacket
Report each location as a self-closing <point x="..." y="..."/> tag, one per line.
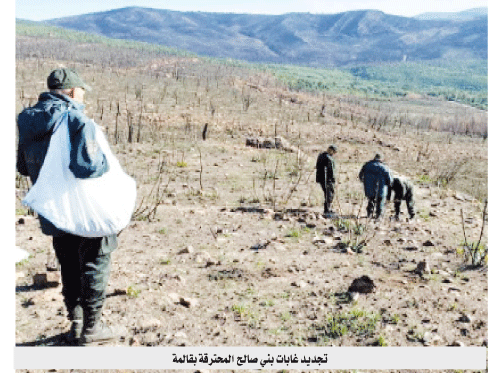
<point x="85" y="262"/>
<point x="376" y="178"/>
<point x="403" y="190"/>
<point x="325" y="176"/>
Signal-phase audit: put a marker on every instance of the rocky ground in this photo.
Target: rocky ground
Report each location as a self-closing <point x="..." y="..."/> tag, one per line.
<point x="205" y="272"/>
<point x="229" y="248"/>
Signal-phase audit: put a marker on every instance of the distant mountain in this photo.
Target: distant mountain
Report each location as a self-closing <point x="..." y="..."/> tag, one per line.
<point x="365" y="36"/>
<point x="466" y="15"/>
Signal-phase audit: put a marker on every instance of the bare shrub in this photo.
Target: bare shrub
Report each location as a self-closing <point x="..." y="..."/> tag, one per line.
<point x="475" y="251"/>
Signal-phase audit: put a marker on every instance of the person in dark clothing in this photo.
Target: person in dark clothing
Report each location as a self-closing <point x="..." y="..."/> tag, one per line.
<point x="403" y="191"/>
<point x="325" y="176"/>
<point x="376" y="178"/>
<point x="84" y="262"/>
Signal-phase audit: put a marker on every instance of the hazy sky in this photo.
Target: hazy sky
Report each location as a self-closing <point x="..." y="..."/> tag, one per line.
<point x="37" y="10"/>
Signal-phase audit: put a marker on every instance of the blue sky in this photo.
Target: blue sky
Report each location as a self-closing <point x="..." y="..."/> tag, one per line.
<point x="37" y="10"/>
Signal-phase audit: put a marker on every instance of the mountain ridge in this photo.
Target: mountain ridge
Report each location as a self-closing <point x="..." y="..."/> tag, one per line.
<point x="361" y="36"/>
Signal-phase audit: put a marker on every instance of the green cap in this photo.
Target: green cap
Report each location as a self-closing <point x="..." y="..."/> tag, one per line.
<point x="65" y="79"/>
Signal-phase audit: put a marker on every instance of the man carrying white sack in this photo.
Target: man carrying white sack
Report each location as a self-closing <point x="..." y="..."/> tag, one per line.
<point x="85" y="262"/>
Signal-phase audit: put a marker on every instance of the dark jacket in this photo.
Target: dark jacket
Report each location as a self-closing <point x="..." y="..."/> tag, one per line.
<point x="325" y="169"/>
<point x="376" y="178"/>
<point x="35" y="125"/>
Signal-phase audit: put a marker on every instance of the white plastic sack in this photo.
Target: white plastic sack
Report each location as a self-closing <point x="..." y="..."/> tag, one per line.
<point x="93" y="207"/>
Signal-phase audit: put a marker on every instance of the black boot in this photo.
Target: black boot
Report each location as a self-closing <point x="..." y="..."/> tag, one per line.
<point x="96" y="331"/>
<point x="76" y="317"/>
<point x="327" y="211"/>
<point x="369" y="211"/>
<point x="411" y="212"/>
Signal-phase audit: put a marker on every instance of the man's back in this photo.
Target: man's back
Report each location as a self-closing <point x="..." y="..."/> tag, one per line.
<point x="376" y="177"/>
<point x="325" y="168"/>
<point x="35" y="127"/>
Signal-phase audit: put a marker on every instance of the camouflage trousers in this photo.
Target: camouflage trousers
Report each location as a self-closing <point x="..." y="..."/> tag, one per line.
<point x="329" y="192"/>
<point x="410" y="205"/>
<point x="85" y="268"/>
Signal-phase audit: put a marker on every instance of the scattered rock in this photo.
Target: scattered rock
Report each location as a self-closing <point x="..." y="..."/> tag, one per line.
<point x="428" y="243"/>
<point x="323" y="241"/>
<point x="149" y="339"/>
<point x="436" y="339"/>
<point x="457" y="344"/>
<point x="210" y="262"/>
<point x="463" y="197"/>
<point x="423" y="268"/>
<point x="277" y="143"/>
<point x="134" y="341"/>
<point x="47" y="279"/>
<point x="174" y="297"/>
<point x="188" y="302"/>
<point x="269" y="213"/>
<point x="354" y="296"/>
<point x="363" y="284"/>
<point x="177" y="342"/>
<point x="465" y="318"/>
<point x="260" y="245"/>
<point x="299" y="284"/>
<point x="180" y="279"/>
<point x="119" y="292"/>
<point x="411" y="248"/>
<point x="202" y="256"/>
<point x="180" y="335"/>
<point x="430" y="339"/>
<point x="186" y="250"/>
<point x="149" y="324"/>
<point x="348" y="250"/>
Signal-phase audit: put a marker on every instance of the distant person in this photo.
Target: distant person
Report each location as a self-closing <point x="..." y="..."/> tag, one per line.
<point x="376" y="178"/>
<point x="325" y="177"/>
<point x="403" y="191"/>
<point x="85" y="262"/>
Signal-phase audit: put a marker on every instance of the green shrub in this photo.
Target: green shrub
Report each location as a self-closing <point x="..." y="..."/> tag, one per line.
<point x="355" y="322"/>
